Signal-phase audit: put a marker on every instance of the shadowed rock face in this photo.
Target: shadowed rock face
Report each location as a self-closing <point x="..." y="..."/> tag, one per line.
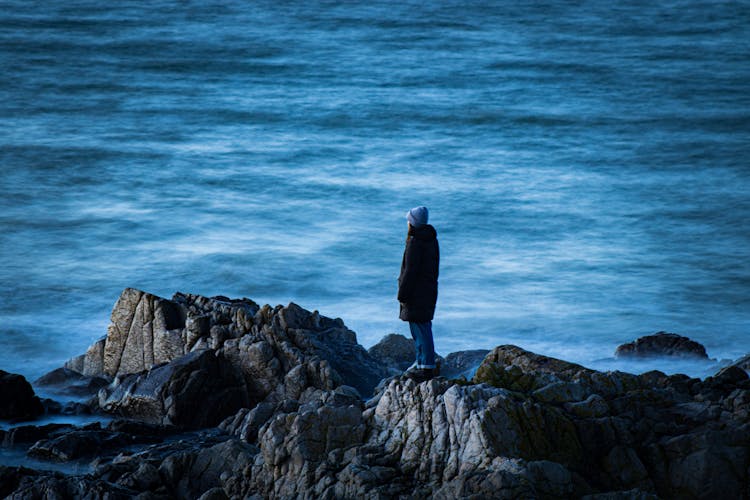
<point x="662" y="344"/>
<point x="66" y="382"/>
<point x="17" y="398"/>
<point x="152" y="344"/>
<point x="394" y="351"/>
<point x="197" y="390"/>
<point x="671" y="435"/>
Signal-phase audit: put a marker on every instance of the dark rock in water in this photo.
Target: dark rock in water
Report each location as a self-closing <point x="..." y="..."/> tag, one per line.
<point x="17" y="398"/>
<point x="662" y="344"/>
<point x="394" y="351"/>
<point x="76" y="444"/>
<point x="20" y="483"/>
<point x="743" y="363"/>
<point x="32" y="433"/>
<point x="463" y="363"/>
<point x="197" y="390"/>
<point x="67" y="382"/>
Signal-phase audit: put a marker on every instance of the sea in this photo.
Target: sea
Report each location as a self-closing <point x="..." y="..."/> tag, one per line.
<point x="586" y="165"/>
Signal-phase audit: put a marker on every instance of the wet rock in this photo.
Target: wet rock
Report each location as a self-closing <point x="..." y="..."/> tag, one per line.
<point x="263" y="343"/>
<point x="462" y="363"/>
<point x="32" y="433"/>
<point x="525" y="425"/>
<point x="743" y="363"/>
<point x="394" y="351"/>
<point x="594" y="406"/>
<point x="198" y="390"/>
<point x="67" y="382"/>
<point x="19" y="483"/>
<point x="17" y="398"/>
<point x="662" y="344"/>
<point x="214" y="494"/>
<point x="78" y="443"/>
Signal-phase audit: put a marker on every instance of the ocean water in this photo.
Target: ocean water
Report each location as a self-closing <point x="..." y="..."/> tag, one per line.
<point x="586" y="165"/>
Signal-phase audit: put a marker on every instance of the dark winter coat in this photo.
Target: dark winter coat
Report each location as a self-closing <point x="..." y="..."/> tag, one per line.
<point x="418" y="282"/>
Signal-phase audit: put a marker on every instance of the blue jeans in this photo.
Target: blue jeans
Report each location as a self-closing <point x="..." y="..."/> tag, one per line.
<point x="422" y="335"/>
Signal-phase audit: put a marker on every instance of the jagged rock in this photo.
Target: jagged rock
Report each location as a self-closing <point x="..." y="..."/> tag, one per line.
<point x="743" y="363"/>
<point x="67" y="382"/>
<point x="20" y="483"/>
<point x="394" y="351"/>
<point x="462" y="363"/>
<point x="634" y="494"/>
<point x="17" y="398"/>
<point x="145" y="330"/>
<point x="264" y="343"/>
<point x="525" y="425"/>
<point x="192" y="474"/>
<point x="32" y="433"/>
<point x="197" y="390"/>
<point x="214" y="494"/>
<point x="640" y="433"/>
<point x="76" y="444"/>
<point x="300" y="451"/>
<point x="662" y="344"/>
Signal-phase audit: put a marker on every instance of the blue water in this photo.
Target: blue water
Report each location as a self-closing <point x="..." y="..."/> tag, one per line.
<point x="585" y="164"/>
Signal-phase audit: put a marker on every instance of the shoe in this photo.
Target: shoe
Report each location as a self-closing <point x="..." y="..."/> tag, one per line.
<point x="420" y="374"/>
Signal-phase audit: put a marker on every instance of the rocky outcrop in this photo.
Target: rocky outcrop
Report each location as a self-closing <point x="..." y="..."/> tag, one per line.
<point x="17" y="398"/>
<point x="197" y="390"/>
<point x="662" y="344"/>
<point x="144" y="330"/>
<point x="394" y="351"/>
<point x="292" y="426"/>
<point x="264" y="343"/>
<point x="743" y="363"/>
<point x="153" y="347"/>
<point x="525" y="426"/>
<point x="669" y="435"/>
<point x="462" y="363"/>
<point x="66" y="382"/>
<point x="397" y="353"/>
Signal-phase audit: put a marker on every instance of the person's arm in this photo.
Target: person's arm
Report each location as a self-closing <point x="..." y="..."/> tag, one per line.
<point x="409" y="276"/>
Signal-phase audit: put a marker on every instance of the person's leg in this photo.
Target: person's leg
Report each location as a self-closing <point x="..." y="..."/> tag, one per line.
<point x="422" y="334"/>
<point x="428" y="345"/>
<point x="416" y="334"/>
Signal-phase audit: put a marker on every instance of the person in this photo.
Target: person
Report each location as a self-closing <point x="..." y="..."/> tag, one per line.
<point x="418" y="290"/>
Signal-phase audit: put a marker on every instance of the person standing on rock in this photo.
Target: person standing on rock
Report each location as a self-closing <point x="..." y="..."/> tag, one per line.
<point x="418" y="289"/>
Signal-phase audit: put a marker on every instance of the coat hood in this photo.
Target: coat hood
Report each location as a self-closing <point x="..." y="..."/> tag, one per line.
<point x="425" y="233"/>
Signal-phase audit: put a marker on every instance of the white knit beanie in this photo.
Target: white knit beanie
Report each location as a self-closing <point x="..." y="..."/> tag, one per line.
<point x="417" y="216"/>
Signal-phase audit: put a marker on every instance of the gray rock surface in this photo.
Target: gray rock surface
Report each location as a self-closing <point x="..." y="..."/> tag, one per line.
<point x="462" y="363"/>
<point x="662" y="344"/>
<point x="67" y="382"/>
<point x="525" y="425"/>
<point x="197" y="390"/>
<point x="264" y="343"/>
<point x="394" y="351"/>
<point x="17" y="398"/>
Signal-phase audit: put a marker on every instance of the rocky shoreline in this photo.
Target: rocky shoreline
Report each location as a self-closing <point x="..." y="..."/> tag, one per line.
<point x="218" y="398"/>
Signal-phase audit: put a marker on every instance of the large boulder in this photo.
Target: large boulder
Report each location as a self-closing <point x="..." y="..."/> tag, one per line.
<point x="462" y="363"/>
<point x="70" y="383"/>
<point x="199" y="389"/>
<point x="17" y="398"/>
<point x="651" y="433"/>
<point x="662" y="344"/>
<point x="263" y="343"/>
<point x="394" y="351"/>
